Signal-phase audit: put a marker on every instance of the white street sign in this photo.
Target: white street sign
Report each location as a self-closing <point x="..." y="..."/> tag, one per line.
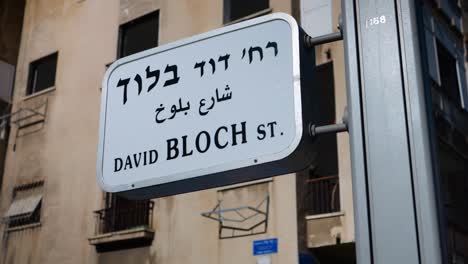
<point x="219" y="101"/>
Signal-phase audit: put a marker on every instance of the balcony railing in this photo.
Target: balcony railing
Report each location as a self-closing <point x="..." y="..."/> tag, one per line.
<point x="323" y="195"/>
<point x="118" y="218"/>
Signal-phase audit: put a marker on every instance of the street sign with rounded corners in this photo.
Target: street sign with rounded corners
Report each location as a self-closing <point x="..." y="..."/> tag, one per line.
<point x="222" y="107"/>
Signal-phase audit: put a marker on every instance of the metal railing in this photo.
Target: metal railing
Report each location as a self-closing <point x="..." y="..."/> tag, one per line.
<point x="117" y="218"/>
<point x="323" y="195"/>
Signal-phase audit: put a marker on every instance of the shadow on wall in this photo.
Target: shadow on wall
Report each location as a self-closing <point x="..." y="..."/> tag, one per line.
<point x="141" y="255"/>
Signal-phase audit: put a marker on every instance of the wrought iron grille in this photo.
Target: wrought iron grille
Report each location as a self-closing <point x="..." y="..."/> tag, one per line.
<point x="323" y="195"/>
<point x="124" y="216"/>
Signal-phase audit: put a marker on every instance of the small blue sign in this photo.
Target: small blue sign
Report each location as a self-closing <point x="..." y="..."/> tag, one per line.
<point x="265" y="246"/>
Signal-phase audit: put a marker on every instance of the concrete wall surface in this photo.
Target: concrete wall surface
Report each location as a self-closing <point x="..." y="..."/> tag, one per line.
<point x="62" y="152"/>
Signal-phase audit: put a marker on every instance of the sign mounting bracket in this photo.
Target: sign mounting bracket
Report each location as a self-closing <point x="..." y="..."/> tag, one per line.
<point x="315" y="130"/>
<point x="311" y="42"/>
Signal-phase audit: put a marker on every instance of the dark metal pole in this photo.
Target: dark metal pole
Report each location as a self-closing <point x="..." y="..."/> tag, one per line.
<point x="311" y="42"/>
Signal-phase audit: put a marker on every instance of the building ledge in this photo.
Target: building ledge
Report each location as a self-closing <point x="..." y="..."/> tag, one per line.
<point x="324" y="229"/>
<point x="37" y="94"/>
<point x="319" y="216"/>
<point x="22" y="227"/>
<point x="125" y="239"/>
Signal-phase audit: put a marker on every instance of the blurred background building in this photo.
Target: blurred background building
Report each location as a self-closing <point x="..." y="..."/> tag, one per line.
<point x="53" y="55"/>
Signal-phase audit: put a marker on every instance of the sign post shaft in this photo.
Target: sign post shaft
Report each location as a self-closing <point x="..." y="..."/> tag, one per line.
<point x="394" y="200"/>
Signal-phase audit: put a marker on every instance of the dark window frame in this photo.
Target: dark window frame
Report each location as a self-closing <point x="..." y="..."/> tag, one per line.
<point x="20" y="221"/>
<point x="120" y="213"/>
<point x="228" y="17"/>
<point x="136" y="21"/>
<point x="114" y="217"/>
<point x="323" y="187"/>
<point x="33" y="68"/>
<point x="453" y="94"/>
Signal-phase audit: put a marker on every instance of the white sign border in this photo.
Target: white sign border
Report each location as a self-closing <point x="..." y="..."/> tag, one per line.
<point x="214" y="169"/>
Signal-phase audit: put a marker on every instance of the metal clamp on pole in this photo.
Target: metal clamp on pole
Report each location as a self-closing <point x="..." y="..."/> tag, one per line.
<point x="311" y="42"/>
<point x="332" y="128"/>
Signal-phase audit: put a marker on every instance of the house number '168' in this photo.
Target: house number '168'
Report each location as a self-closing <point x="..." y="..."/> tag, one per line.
<point x="374" y="21"/>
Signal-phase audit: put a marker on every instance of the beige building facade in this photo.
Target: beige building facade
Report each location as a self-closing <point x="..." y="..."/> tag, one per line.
<point x="52" y="208"/>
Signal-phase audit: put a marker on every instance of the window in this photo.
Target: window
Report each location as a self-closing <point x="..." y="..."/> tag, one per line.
<point x="327" y="164"/>
<point x="235" y="9"/>
<point x="323" y="183"/>
<point x="122" y="214"/>
<point x="139" y="34"/>
<point x="7" y="79"/>
<point x="42" y="74"/>
<point x="448" y="74"/>
<point x="26" y="206"/>
<point x="131" y="221"/>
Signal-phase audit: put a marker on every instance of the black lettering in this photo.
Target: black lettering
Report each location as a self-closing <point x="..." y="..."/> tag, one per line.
<point x="261" y="132"/>
<point x="273" y="45"/>
<point x="208" y="142"/>
<point x="118" y="163"/>
<point x="135" y="160"/>
<point x="241" y="132"/>
<point x="150" y="74"/>
<point x="184" y="147"/>
<point x="224" y="58"/>
<point x="213" y="65"/>
<point x="153" y="156"/>
<point x="175" y="77"/>
<point x="124" y="83"/>
<point x="272" y="128"/>
<point x="216" y="138"/>
<point x="128" y="163"/>
<point x="172" y="148"/>
<point x="144" y="158"/>
<point x="257" y="49"/>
